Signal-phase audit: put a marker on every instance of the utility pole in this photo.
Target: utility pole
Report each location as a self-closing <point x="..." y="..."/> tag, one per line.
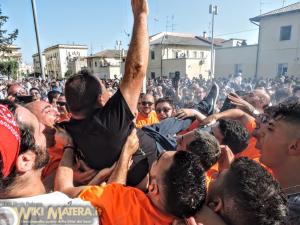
<point x="37" y="39"/>
<point x="214" y="11"/>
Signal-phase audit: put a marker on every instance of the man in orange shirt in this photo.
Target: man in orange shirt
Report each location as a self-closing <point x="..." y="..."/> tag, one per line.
<point x="56" y="139"/>
<point x="146" y="116"/>
<point x="176" y="188"/>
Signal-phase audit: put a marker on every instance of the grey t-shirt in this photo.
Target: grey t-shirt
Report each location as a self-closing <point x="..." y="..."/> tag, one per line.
<point x="294" y="209"/>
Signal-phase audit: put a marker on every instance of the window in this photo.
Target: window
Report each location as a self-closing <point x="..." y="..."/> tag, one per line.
<point x="282" y="69"/>
<point x="201" y="55"/>
<point x="152" y="75"/>
<point x="237" y="68"/>
<point x="152" y="55"/>
<point x="195" y="54"/>
<point x="285" y="33"/>
<point x="95" y="64"/>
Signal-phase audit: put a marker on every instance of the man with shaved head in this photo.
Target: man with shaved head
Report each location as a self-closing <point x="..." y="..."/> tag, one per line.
<point x="146" y="115"/>
<point x="259" y="99"/>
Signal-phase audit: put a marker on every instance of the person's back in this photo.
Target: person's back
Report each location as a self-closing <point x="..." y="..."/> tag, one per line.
<point x="99" y="126"/>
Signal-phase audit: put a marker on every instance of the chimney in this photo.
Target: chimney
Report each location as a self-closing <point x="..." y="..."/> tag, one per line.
<point x="204" y="34"/>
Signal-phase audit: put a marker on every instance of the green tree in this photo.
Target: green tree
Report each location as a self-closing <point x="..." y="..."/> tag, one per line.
<point x="9" y="68"/>
<point x="6" y="39"/>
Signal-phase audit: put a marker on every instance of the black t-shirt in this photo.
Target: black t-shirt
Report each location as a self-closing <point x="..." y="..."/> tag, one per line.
<point x="101" y="136"/>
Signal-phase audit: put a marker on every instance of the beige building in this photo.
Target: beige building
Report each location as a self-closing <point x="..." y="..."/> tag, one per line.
<point x="25" y="69"/>
<point x="107" y="63"/>
<point x="176" y="53"/>
<point x="36" y="63"/>
<point x="279" y="41"/>
<point x="76" y="64"/>
<point x="232" y="60"/>
<point x="277" y="51"/>
<point x="13" y="53"/>
<point x="57" y="58"/>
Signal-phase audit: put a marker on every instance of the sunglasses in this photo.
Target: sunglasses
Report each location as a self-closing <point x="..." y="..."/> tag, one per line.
<point x="165" y="110"/>
<point x="147" y="103"/>
<point x="61" y="103"/>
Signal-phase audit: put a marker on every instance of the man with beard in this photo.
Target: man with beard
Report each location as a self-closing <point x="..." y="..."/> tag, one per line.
<point x="23" y="156"/>
<point x="56" y="139"/>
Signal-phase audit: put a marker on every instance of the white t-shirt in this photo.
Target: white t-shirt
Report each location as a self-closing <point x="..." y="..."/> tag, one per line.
<point x="52" y="208"/>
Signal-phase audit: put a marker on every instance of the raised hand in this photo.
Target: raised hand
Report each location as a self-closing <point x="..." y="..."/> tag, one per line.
<point x="132" y="143"/>
<point x="139" y="7"/>
<point x="239" y="102"/>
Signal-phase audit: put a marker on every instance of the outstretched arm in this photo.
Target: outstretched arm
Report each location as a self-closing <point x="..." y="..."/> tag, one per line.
<point x="234" y="114"/>
<point x="137" y="56"/>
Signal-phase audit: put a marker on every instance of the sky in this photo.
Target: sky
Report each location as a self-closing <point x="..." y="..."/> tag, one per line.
<point x="100" y="23"/>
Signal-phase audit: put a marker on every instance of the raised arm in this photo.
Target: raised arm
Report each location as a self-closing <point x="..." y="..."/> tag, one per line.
<point x="137" y="56"/>
<point x="234" y="114"/>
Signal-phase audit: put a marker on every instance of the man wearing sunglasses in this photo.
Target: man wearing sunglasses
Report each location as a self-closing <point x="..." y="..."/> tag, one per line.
<point x="164" y="108"/>
<point x="146" y="115"/>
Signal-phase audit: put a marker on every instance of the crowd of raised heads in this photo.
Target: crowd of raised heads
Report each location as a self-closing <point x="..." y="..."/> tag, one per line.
<point x="222" y="151"/>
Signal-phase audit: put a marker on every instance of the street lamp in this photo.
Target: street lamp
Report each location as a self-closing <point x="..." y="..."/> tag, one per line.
<point x="213" y="9"/>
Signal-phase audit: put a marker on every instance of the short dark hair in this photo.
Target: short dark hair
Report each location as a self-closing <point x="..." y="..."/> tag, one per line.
<point x="52" y="94"/>
<point x="288" y="111"/>
<point x="236" y="136"/>
<point x="256" y="195"/>
<point x="207" y="147"/>
<point x="82" y="91"/>
<point x="184" y="185"/>
<point x="34" y="88"/>
<point x="165" y="99"/>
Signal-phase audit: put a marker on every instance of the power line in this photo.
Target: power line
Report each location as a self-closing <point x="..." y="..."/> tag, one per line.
<point x="238" y="32"/>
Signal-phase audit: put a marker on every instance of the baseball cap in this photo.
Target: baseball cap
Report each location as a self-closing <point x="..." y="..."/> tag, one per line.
<point x="9" y="140"/>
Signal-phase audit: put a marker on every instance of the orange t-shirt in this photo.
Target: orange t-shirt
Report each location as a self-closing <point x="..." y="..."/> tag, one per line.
<point x="120" y="205"/>
<point x="55" y="157"/>
<point x="251" y="152"/>
<point x="146" y="121"/>
<point x="210" y="173"/>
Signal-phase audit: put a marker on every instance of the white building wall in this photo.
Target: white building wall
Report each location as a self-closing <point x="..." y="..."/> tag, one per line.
<point x="192" y="61"/>
<point x="57" y="58"/>
<point x="227" y="58"/>
<point x="272" y="51"/>
<point x="36" y="63"/>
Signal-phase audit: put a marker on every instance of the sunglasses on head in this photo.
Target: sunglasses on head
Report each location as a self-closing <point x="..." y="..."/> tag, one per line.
<point x="165" y="110"/>
<point x="147" y="103"/>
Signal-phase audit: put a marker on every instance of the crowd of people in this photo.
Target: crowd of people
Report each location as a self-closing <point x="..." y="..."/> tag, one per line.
<point x="222" y="151"/>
